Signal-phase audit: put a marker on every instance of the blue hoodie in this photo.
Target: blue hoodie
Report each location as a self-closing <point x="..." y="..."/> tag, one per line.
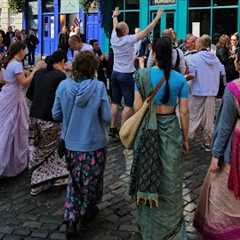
<point x="85" y="111"/>
<point x="206" y="69"/>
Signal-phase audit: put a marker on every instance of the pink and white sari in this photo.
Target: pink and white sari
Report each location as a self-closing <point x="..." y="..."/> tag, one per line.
<point x="218" y="213"/>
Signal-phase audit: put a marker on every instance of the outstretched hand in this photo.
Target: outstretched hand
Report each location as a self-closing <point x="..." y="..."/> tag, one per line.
<point x="160" y="12"/>
<point x="40" y="64"/>
<point x="116" y="12"/>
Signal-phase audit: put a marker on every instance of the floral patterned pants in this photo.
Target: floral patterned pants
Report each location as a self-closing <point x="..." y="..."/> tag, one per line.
<point x="85" y="188"/>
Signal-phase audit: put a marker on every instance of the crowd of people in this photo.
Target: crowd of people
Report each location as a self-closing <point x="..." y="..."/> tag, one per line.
<point x="9" y="37"/>
<point x="63" y="139"/>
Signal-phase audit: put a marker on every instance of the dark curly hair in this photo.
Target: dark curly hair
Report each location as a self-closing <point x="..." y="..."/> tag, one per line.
<point x="162" y="48"/>
<point x="85" y="65"/>
<point x="56" y="57"/>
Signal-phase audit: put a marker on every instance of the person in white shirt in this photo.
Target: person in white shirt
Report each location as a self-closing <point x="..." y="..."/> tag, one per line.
<point x="206" y="69"/>
<point x="190" y="45"/>
<point x="123" y="45"/>
<point x="77" y="45"/>
<point x="178" y="61"/>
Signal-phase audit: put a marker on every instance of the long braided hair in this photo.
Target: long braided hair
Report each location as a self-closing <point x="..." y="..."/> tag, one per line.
<point x="162" y="48"/>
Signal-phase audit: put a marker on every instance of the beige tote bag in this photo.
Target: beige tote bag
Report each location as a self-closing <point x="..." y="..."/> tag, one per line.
<point x="129" y="129"/>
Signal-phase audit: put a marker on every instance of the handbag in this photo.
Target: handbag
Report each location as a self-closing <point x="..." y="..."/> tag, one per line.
<point x="130" y="128"/>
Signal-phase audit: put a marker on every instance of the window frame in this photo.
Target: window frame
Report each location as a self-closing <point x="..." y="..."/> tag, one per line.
<point x="212" y="7"/>
<point x="124" y="11"/>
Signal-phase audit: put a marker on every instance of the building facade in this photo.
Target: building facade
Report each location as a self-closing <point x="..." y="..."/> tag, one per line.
<point x="47" y="18"/>
<point x="213" y="17"/>
<point x="7" y="17"/>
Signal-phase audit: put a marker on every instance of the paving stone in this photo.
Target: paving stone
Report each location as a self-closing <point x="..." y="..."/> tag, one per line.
<point x="12" y="237"/>
<point x="49" y="226"/>
<point x="32" y="224"/>
<point x="123" y="234"/>
<point x="40" y="234"/>
<point x="128" y="228"/>
<point x="58" y="236"/>
<point x="22" y="232"/>
<point x="62" y="228"/>
<point x="107" y="197"/>
<point x="113" y="218"/>
<point x="7" y="230"/>
<point x="103" y="205"/>
<point x="43" y="214"/>
<point x="51" y="220"/>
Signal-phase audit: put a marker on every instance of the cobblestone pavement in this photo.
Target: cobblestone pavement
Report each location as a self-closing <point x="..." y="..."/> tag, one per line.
<point x="40" y="217"/>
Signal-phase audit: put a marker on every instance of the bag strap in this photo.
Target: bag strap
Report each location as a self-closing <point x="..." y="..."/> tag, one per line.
<point x="156" y="89"/>
<point x="177" y="61"/>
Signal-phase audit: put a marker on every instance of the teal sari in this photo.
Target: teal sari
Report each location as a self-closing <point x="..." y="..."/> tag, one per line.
<point x="159" y="213"/>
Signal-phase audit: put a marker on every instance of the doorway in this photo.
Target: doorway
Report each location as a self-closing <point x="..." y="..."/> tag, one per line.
<point x="167" y="21"/>
<point x="48" y="35"/>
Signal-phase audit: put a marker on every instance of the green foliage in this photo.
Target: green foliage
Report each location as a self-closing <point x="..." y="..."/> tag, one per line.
<point x="17" y="5"/>
<point x="86" y="4"/>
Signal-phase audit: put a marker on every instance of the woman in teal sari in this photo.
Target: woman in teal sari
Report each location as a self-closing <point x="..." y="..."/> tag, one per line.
<point x="157" y="170"/>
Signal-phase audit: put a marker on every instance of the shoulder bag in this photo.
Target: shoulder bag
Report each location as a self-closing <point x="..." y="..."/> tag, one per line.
<point x="130" y="128"/>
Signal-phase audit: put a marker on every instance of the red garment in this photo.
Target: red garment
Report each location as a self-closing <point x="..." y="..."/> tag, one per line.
<point x="234" y="175"/>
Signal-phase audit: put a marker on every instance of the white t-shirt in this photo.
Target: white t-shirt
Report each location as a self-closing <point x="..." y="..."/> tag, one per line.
<point x="124" y="52"/>
<point x="85" y="47"/>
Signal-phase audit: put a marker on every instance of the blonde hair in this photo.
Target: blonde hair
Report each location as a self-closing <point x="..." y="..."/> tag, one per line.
<point x="205" y="41"/>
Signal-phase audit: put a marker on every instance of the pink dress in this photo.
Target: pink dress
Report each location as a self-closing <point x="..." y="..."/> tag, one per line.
<point x="14" y="149"/>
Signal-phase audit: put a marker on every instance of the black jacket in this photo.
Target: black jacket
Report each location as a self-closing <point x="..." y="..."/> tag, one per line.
<point x="42" y="93"/>
<point x="63" y="41"/>
<point x="32" y="41"/>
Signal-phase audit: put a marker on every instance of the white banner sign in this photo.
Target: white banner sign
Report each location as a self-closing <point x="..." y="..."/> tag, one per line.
<point x="196" y="29"/>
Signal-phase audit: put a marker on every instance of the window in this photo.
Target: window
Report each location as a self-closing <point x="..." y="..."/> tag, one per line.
<point x="48" y="6"/>
<point x="225" y="2"/>
<point x="169" y="20"/>
<point x="131" y="4"/>
<point x="33" y="7"/>
<point x="119" y="3"/>
<point x="129" y="12"/>
<point x="132" y="18"/>
<point x="32" y="15"/>
<point x="200" y="19"/>
<point x="159" y="2"/>
<point x="200" y="3"/>
<point x="214" y="19"/>
<point x="220" y="25"/>
<point x="12" y="18"/>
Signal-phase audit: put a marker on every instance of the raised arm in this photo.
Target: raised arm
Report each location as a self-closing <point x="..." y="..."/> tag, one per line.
<point x="25" y="81"/>
<point x="115" y="15"/>
<point x="141" y="35"/>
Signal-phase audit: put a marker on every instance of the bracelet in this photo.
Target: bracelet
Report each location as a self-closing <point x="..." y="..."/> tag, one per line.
<point x="114" y="16"/>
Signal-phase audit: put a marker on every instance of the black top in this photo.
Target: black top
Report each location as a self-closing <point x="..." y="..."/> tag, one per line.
<point x="42" y="93"/>
<point x="63" y="41"/>
<point x="32" y="41"/>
